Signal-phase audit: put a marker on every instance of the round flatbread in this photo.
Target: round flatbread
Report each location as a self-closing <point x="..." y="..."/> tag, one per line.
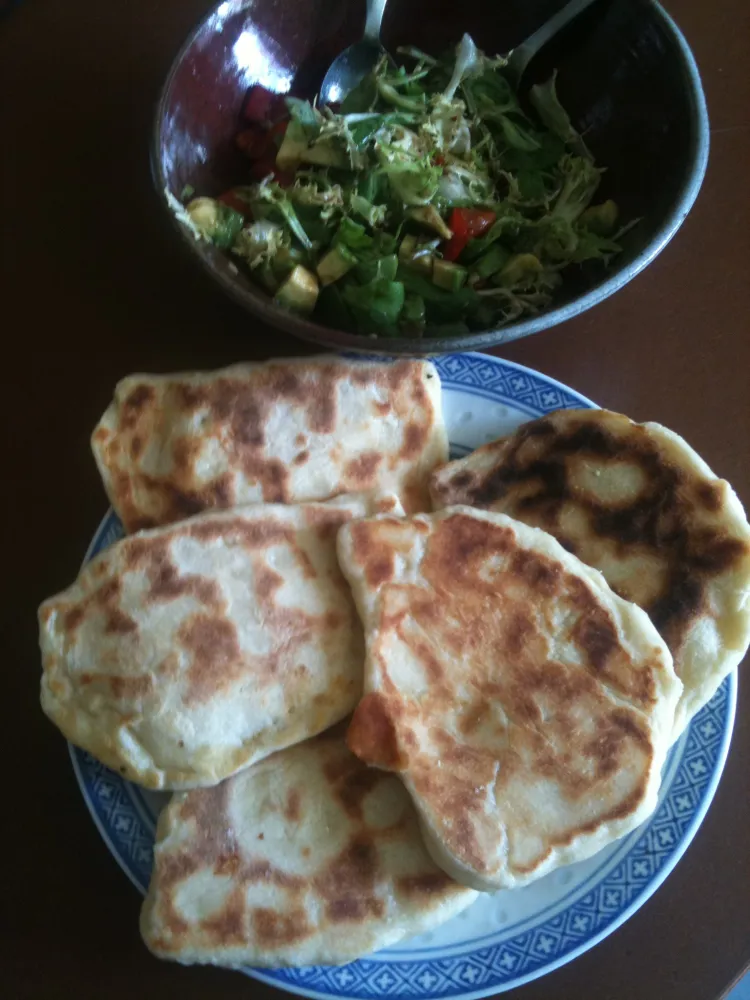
<point x="185" y="653"/>
<point x="527" y="708"/>
<point x="636" y="502"/>
<point x="282" y="431"/>
<point x="307" y="858"/>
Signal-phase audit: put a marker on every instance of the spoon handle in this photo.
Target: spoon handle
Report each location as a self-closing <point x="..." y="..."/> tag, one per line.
<point x="375" y="11"/>
<point x="522" y="55"/>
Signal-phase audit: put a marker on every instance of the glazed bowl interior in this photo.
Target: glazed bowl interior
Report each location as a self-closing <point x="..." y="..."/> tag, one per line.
<point x="625" y="74"/>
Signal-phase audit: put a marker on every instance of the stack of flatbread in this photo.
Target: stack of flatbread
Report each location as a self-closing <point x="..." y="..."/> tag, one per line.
<point x="377" y="682"/>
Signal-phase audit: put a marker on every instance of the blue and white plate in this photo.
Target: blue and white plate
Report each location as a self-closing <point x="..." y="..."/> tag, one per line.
<point x="507" y="938"/>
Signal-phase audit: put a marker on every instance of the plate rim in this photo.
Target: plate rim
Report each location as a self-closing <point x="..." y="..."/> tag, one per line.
<point x="276" y="977"/>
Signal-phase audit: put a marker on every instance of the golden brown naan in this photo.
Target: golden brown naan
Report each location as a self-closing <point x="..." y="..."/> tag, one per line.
<point x="306" y="858"/>
<point x="185" y="653"/>
<point x="527" y="708"/>
<point x="636" y="502"/>
<point x="285" y="431"/>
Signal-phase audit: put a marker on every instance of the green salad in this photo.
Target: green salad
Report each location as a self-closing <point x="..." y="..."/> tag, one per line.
<point x="429" y="203"/>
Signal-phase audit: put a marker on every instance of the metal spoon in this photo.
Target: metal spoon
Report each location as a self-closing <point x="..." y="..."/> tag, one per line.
<point x="354" y="63"/>
<point x="520" y="57"/>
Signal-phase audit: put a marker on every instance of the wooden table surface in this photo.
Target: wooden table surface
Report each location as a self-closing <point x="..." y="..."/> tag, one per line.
<point x="93" y="289"/>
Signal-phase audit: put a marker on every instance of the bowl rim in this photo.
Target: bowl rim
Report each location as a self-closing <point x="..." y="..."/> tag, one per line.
<point x="275" y="316"/>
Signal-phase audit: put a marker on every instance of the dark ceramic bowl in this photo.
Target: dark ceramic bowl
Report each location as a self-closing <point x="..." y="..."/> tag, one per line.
<point x="626" y="75"/>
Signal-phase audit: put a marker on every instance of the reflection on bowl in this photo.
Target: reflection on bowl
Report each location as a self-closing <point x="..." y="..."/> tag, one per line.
<point x="625" y="73"/>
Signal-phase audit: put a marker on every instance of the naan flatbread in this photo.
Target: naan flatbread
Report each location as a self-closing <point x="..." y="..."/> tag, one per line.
<point x="287" y="431"/>
<point x="307" y="858"/>
<point x="636" y="502"/>
<point x="186" y="653"/>
<point x="527" y="709"/>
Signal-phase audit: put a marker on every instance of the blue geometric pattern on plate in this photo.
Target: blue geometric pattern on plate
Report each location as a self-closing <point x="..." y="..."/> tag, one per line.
<point x="592" y="908"/>
<point x="508" y="383"/>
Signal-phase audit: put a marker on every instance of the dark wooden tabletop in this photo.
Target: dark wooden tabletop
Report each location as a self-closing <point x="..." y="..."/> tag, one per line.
<point x="93" y="288"/>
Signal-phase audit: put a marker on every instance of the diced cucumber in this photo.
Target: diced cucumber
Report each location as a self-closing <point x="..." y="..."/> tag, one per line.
<point x="449" y="276"/>
<point x="299" y="292"/>
<point x="219" y="223"/>
<point x="407" y="248"/>
<point x="335" y="264"/>
<point x="285" y="261"/>
<point x="406" y="254"/>
<point x="296" y="149"/>
<point x="429" y="217"/>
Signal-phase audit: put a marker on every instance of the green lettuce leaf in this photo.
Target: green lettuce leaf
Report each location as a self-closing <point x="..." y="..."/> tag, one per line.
<point x="547" y="105"/>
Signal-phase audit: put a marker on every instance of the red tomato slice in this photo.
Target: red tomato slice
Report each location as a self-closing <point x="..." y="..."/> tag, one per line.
<point x="466" y="224"/>
<point x="477" y="220"/>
